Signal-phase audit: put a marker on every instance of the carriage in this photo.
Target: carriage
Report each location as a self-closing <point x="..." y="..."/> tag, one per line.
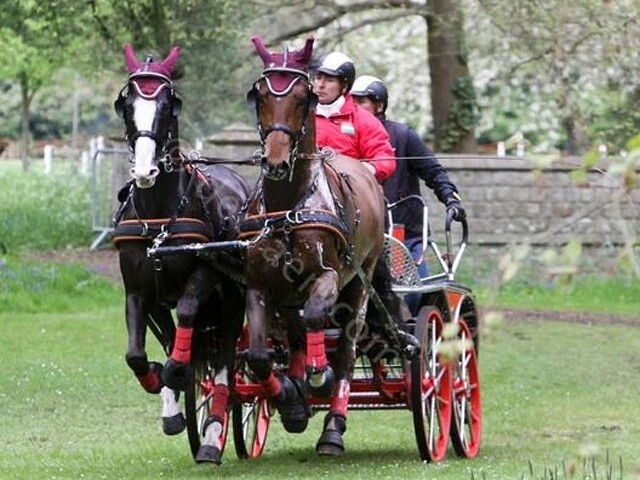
<point x="436" y="378"/>
<point x="427" y="363"/>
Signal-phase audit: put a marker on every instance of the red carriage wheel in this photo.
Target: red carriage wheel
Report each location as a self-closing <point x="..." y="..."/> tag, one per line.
<point x="250" y="427"/>
<point x="466" y="425"/>
<point x="198" y="399"/>
<point x="430" y="388"/>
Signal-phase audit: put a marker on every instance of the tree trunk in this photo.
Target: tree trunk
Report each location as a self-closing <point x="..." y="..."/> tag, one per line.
<point x="24" y="120"/>
<point x="453" y="99"/>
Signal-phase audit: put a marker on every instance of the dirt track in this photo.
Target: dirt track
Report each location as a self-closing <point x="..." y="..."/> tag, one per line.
<point x="105" y="262"/>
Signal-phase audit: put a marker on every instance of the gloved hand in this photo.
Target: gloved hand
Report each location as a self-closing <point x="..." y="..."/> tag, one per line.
<point x="455" y="209"/>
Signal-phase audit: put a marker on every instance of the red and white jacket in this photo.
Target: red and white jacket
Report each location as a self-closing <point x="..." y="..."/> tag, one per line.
<point x="354" y="132"/>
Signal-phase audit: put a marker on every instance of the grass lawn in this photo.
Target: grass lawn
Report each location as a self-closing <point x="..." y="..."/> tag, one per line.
<point x="551" y="393"/>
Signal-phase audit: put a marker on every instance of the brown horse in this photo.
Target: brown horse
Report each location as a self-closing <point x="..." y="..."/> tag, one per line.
<point x="318" y="222"/>
<point x="171" y="202"/>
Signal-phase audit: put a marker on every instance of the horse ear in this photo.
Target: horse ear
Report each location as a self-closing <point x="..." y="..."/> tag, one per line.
<point x="307" y="51"/>
<point x="264" y="54"/>
<point x="130" y="58"/>
<point x="169" y="63"/>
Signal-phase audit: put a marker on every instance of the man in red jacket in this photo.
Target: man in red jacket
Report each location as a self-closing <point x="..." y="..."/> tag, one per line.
<point x="344" y="126"/>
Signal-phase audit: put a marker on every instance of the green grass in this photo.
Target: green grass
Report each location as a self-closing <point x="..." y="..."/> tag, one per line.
<point x="41" y="211"/>
<point x="596" y="294"/>
<point x="552" y="393"/>
<point x="36" y="287"/>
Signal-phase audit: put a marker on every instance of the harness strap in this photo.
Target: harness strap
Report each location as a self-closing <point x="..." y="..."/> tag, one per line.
<point x="253" y="225"/>
<point x="148" y="229"/>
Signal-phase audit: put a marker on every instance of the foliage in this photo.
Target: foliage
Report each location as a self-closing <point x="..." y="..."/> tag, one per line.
<point x="44" y="211"/>
<point x="214" y="44"/>
<point x="566" y="57"/>
<point x="614" y="118"/>
<point x="463" y="113"/>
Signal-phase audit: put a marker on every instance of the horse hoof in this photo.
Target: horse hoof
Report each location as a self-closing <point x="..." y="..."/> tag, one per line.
<point x="325" y="389"/>
<point x="294" y="412"/>
<point x="174" y="425"/>
<point x="209" y="454"/>
<point x="176" y="375"/>
<point x="330" y="444"/>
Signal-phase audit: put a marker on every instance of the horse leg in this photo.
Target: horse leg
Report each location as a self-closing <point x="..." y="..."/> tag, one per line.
<point x="285" y="393"/>
<point x="148" y="374"/>
<point x="351" y="315"/>
<point x="230" y="328"/>
<point x="197" y="291"/>
<point x="173" y="420"/>
<point x="322" y="298"/>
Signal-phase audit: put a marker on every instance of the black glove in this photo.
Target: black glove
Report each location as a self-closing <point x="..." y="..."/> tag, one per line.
<point x="455" y="209"/>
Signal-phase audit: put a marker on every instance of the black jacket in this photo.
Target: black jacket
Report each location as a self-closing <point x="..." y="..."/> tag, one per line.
<point x="405" y="181"/>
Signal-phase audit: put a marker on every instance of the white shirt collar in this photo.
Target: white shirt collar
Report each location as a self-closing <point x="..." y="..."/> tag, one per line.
<point x="326" y="110"/>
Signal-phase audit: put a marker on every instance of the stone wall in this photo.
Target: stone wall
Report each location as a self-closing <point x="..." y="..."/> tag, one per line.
<point x="510" y="200"/>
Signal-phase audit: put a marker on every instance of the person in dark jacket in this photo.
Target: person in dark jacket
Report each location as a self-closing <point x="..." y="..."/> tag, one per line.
<point x="414" y="162"/>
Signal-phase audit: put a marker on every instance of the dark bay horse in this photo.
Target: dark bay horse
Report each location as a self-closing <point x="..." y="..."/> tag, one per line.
<point x="317" y="221"/>
<point x="169" y="201"/>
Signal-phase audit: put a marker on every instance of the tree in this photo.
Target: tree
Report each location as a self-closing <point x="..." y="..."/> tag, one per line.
<point x="452" y="92"/>
<point x="209" y="34"/>
<point x="36" y="37"/>
<point x="565" y="56"/>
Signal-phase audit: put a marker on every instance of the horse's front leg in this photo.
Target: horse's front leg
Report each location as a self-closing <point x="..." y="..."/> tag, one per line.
<point x="285" y="393"/>
<point x="323" y="295"/>
<point x="350" y="315"/>
<point x="173" y="421"/>
<point x="196" y="293"/>
<point x="148" y="374"/>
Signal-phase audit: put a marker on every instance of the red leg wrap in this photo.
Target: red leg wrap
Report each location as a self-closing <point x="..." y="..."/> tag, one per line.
<point x="297" y="365"/>
<point x="150" y="382"/>
<point x="316" y="356"/>
<point x="340" y="401"/>
<point x="271" y="385"/>
<point x="220" y="401"/>
<point x="182" y="346"/>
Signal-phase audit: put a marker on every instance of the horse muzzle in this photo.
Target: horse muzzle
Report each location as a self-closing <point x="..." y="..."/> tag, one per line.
<point x="276" y="172"/>
<point x="145" y="179"/>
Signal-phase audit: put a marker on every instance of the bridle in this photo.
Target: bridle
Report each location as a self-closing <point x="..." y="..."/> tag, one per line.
<point x="134" y="88"/>
<point x="294" y="77"/>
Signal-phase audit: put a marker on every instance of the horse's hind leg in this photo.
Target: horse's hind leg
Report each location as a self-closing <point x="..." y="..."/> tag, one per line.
<point x="350" y="315"/>
<point x="228" y="328"/>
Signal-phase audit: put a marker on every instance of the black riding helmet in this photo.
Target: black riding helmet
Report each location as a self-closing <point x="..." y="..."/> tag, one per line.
<point x="339" y="65"/>
<point x="372" y="87"/>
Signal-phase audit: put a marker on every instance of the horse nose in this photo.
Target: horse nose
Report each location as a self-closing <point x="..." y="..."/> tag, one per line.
<point x="144" y="177"/>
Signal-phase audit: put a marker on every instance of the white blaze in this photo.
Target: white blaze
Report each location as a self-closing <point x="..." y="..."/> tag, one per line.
<point x="144" y="170"/>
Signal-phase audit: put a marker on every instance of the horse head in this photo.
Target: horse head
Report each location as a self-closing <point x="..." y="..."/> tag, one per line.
<point x="149" y="106"/>
<point x="283" y="99"/>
